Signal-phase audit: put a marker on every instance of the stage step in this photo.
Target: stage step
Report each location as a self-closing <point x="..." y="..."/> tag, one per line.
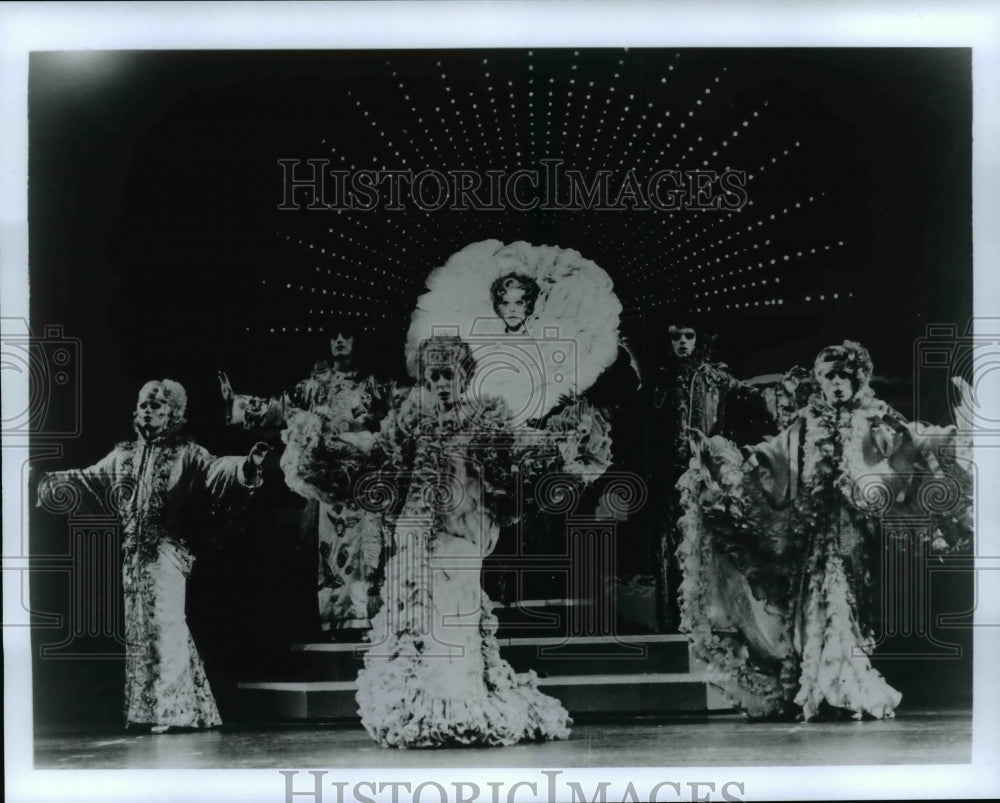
<point x="574" y="618"/>
<point x="598" y="655"/>
<point x="550" y="655"/>
<point x="641" y="674"/>
<point x="592" y="694"/>
<point x="633" y="694"/>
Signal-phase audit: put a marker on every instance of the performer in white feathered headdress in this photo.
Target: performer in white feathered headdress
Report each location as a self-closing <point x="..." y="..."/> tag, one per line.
<point x="542" y="321"/>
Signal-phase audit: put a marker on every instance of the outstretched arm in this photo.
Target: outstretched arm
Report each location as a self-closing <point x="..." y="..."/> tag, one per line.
<point x="92" y="486"/>
<point x="223" y="474"/>
<point x="957" y="437"/>
<point x="776" y="462"/>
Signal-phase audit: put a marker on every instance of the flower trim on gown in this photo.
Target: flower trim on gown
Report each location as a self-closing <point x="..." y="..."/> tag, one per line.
<point x="434" y="676"/>
<point x="776" y="594"/>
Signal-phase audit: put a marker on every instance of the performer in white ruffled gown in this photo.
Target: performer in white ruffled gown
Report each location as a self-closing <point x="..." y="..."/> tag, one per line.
<point x="781" y="542"/>
<point x="457" y="450"/>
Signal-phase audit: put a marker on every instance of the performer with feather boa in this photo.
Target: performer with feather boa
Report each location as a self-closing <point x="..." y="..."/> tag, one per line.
<point x="481" y="422"/>
<point x="781" y="542"/>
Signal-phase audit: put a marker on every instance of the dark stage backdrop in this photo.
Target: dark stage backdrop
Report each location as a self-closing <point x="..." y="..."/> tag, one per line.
<point x="157" y="240"/>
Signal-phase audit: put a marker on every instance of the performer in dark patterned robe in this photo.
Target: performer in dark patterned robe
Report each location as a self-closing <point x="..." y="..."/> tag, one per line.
<point x="691" y="390"/>
<point x="345" y="539"/>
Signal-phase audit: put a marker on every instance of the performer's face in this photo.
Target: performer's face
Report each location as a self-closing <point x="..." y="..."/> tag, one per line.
<point x="836" y="383"/>
<point x="341" y="346"/>
<point x="443" y="382"/>
<point x="513" y="308"/>
<point x="152" y="410"/>
<point x="682" y="341"/>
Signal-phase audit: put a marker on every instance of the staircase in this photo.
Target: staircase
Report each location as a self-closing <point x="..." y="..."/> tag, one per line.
<point x="626" y="675"/>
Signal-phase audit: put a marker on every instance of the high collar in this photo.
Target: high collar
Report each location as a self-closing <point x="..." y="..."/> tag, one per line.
<point x="169" y="435"/>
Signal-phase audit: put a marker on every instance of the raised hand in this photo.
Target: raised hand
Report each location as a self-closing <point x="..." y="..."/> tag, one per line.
<point x="254" y="460"/>
<point x="225" y="386"/>
<point x="259" y="451"/>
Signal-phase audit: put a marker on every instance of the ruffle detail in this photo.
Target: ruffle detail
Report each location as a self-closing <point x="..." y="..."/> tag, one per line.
<point x="411" y="695"/>
<point x="583" y="437"/>
<point x="706" y="614"/>
<point x="776" y="592"/>
<point x="429" y="681"/>
<point x="317" y="462"/>
<point x="835" y="665"/>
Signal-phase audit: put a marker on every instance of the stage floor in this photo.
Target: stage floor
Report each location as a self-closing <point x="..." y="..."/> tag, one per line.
<point x="941" y="736"/>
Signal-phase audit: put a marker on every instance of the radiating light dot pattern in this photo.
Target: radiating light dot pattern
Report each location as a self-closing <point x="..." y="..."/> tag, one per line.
<point x="618" y="117"/>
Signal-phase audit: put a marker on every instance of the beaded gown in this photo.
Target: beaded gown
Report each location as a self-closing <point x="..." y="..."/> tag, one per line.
<point x="158" y="487"/>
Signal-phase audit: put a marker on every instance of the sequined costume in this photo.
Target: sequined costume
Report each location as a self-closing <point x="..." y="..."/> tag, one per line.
<point x="347" y="539"/>
<point x="159" y="487"/>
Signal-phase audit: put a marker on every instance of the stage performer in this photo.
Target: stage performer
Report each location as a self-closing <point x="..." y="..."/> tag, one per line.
<point x="496" y="409"/>
<point x="160" y="483"/>
<point x="345" y="541"/>
<point x="782" y="542"/>
<point x="691" y="390"/>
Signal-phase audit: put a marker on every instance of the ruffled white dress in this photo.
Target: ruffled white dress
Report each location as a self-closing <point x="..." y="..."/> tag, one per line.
<point x="433" y="676"/>
<point x="779" y="554"/>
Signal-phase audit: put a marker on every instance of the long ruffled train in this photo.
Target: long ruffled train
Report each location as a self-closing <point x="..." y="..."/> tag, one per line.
<point x="771" y="649"/>
<point x="434" y="676"/>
